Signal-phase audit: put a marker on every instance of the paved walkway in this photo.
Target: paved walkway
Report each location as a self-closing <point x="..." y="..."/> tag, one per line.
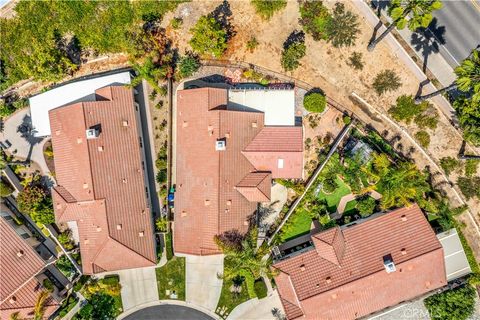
<point x="23" y="142"/>
<point x="257" y="309"/>
<point x="139" y="286"/>
<point x="203" y="287"/>
<point x="343" y="202"/>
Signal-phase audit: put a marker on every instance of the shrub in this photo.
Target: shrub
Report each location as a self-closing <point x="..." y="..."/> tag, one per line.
<point x="427" y="120"/>
<point x="176" y="23"/>
<point x="162" y="176"/>
<point x="330" y="184"/>
<point x="366" y="206"/>
<point x="458" y="304"/>
<point x="209" y="37"/>
<point x="169" y="245"/>
<point x="161" y="224"/>
<point x="423" y="138"/>
<point x="346" y="120"/>
<point x="65" y="239"/>
<point x="267" y="8"/>
<point x="34" y="201"/>
<point x="356" y="60"/>
<point x="260" y="288"/>
<point x="187" y="66"/>
<point x="470" y="187"/>
<point x="65" y="266"/>
<point x="292" y="54"/>
<point x="315" y="102"/>
<point x="252" y="43"/>
<point x="449" y="164"/>
<point x="406" y="109"/>
<point x="342" y="27"/>
<point x="48" y="284"/>
<point x="471" y="167"/>
<point x="5" y="189"/>
<point x="385" y="81"/>
<point x="314" y="18"/>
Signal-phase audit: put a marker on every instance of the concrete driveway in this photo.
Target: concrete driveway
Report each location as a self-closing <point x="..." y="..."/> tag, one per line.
<point x="202" y="284"/>
<point x="18" y="133"/>
<point x="257" y="309"/>
<point x="139" y="286"/>
<point x="168" y="312"/>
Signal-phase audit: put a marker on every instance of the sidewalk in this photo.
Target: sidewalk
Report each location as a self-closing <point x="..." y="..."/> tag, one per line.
<point x="399" y="52"/>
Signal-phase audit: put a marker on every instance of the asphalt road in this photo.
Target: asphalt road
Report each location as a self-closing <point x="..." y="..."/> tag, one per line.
<point x="168" y="312"/>
<point x="461" y="19"/>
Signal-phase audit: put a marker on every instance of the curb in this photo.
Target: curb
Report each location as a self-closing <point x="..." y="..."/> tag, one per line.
<point x="168" y="302"/>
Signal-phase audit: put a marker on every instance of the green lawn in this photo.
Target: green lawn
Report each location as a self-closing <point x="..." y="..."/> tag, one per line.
<point x="229" y="300"/>
<point x="171" y="277"/>
<point x="334" y="198"/>
<point x="298" y="224"/>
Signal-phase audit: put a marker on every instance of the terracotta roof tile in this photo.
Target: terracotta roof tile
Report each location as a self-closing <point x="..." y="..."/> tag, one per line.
<point x="360" y="285"/>
<point x="19" y="264"/>
<point x="256" y="186"/>
<point x="208" y="200"/>
<point x="100" y="181"/>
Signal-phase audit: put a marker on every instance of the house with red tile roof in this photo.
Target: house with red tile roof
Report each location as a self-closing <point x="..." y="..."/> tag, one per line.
<point x="22" y="271"/>
<point x="101" y="180"/>
<point x="226" y="158"/>
<point x="352" y="271"/>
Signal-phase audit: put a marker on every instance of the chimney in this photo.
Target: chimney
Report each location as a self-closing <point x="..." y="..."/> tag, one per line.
<point x="404" y="252"/>
<point x="20" y="253"/>
<point x="328" y="280"/>
<point x="403" y="217"/>
<point x="125" y="123"/>
<point x="141" y="234"/>
<point x="12" y="300"/>
<point x="207" y="202"/>
<point x="119" y="226"/>
<point x="100" y="148"/>
<point x="302" y="267"/>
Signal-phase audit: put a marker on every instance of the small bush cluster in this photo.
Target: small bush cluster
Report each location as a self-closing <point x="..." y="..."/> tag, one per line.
<point x="267" y="8"/>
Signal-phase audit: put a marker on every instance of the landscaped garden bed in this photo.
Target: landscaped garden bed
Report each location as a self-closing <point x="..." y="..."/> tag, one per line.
<point x="171" y="280"/>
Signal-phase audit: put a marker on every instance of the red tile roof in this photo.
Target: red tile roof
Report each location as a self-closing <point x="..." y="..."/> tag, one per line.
<point x="19" y="264"/>
<point x="278" y="149"/>
<point x="329" y="284"/>
<point x="256" y="186"/>
<point x="101" y="183"/>
<point x="211" y="197"/>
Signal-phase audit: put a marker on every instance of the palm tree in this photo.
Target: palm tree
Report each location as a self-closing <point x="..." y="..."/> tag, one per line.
<point x="411" y="13"/>
<point x="468" y="78"/>
<point x="39" y="309"/>
<point x="148" y="71"/>
<point x="245" y="260"/>
<point x="402" y="185"/>
<point x="15" y="316"/>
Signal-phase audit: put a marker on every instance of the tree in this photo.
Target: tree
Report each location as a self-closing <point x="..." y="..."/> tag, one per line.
<point x="245" y="260"/>
<point x="386" y="80"/>
<point x="100" y="306"/>
<point x="467" y="81"/>
<point x="423" y="138"/>
<point x="342" y="29"/>
<point x="366" y="206"/>
<point x="314" y="102"/>
<point x="34" y="201"/>
<point x="314" y="18"/>
<point x="5" y="189"/>
<point x="401" y="185"/>
<point x="149" y="72"/>
<point x="187" y="66"/>
<point x="468" y="115"/>
<point x="408" y="13"/>
<point x="293" y="50"/>
<point x="40" y="303"/>
<point x="252" y="43"/>
<point x="161" y="224"/>
<point x="458" y="304"/>
<point x="267" y="8"/>
<point x="449" y="164"/>
<point x="208" y="37"/>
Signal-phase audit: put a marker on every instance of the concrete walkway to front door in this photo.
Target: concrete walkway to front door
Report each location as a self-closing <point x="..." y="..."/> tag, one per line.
<point x="139" y="286"/>
<point x="203" y="287"/>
